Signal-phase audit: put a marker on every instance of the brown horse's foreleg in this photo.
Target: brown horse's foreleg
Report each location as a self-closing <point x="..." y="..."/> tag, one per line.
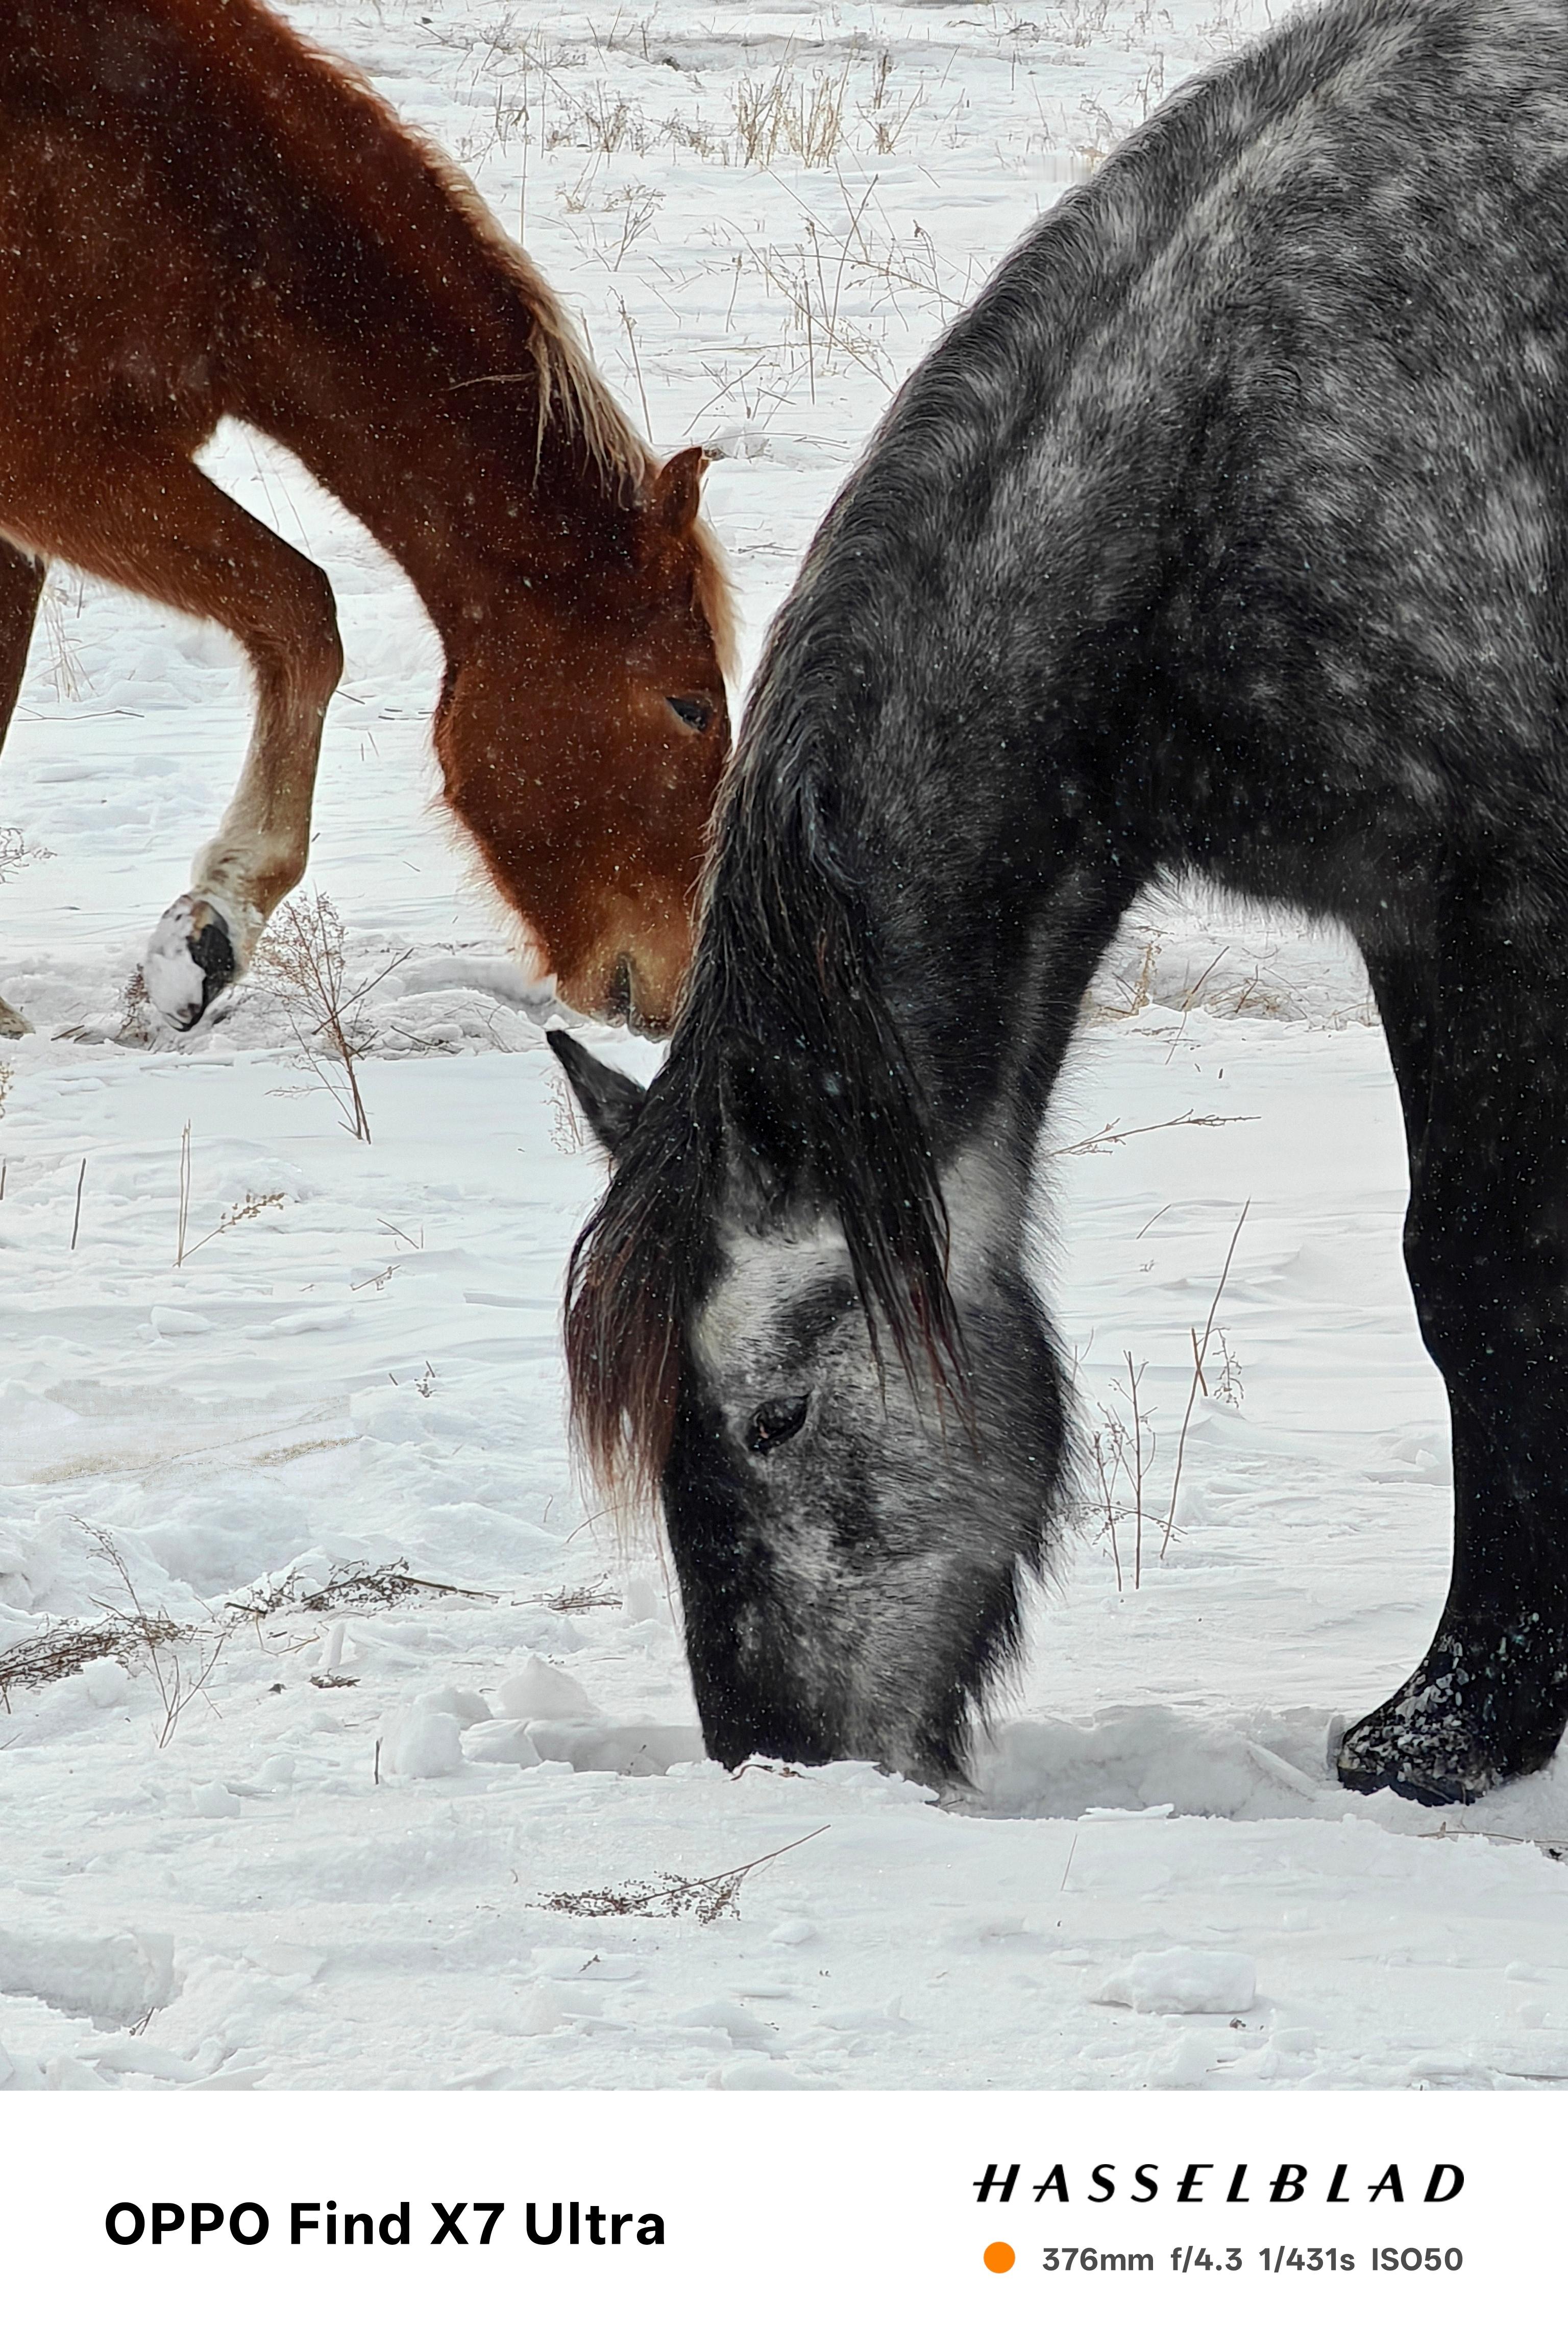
<point x="155" y="524"/>
<point x="21" y="585"/>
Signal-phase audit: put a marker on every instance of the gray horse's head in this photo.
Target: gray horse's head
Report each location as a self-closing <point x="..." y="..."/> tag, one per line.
<point x="851" y="1516"/>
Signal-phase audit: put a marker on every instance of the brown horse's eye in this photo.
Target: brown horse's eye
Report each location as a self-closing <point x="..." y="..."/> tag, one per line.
<point x="774" y="1423"/>
<point x="692" y="710"/>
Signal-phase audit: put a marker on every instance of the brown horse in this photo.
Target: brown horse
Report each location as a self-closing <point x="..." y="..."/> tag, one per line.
<point x="202" y="218"/>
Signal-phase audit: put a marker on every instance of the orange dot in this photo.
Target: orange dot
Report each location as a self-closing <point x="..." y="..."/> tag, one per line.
<point x="1000" y="2256"/>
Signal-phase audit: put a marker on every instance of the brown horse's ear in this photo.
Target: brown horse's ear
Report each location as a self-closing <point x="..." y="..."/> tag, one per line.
<point x="677" y="488"/>
<point x="608" y="1099"/>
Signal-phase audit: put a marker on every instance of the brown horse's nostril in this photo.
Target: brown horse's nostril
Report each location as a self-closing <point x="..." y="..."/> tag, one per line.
<point x="619" y="997"/>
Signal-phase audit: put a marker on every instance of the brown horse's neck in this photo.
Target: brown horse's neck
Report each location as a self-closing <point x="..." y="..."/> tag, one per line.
<point x="387" y="332"/>
<point x="462" y="512"/>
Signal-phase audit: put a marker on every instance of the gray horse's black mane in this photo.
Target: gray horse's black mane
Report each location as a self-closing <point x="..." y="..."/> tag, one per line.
<point x="788" y="1088"/>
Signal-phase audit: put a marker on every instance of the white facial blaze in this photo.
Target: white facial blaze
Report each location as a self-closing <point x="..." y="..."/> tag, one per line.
<point x="736" y="1334"/>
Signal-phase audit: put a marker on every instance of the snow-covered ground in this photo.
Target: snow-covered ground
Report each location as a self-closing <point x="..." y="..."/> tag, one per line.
<point x="316" y="1845"/>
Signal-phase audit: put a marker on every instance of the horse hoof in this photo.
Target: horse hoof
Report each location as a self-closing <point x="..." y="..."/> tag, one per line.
<point x="190" y="959"/>
<point x="1419" y="1753"/>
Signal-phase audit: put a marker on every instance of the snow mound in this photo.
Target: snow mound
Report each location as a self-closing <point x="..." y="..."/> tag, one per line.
<point x="639" y="1750"/>
<point x="114" y="1980"/>
<point x="501" y="1743"/>
<point x="1182" y="1983"/>
<point x="420" y="1742"/>
<point x="1126" y="1759"/>
<point x="541" y="1691"/>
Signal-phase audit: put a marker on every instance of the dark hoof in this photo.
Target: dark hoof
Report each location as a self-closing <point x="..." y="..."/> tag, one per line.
<point x="189" y="960"/>
<point x="1411" y="1746"/>
<point x="1476" y="1714"/>
<point x="212" y="952"/>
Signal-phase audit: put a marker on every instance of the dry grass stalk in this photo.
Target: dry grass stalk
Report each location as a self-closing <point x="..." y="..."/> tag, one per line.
<point x="156" y="1635"/>
<point x="182" y="1222"/>
<point x="573" y="1600"/>
<point x="1200" y="1352"/>
<point x="239" y="1213"/>
<point x="1106" y="1470"/>
<point x="16" y="852"/>
<point x="355" y="1585"/>
<point x="63" y="593"/>
<point x="302" y="955"/>
<point x="637" y="205"/>
<point x="1124" y="1446"/>
<point x="668" y="1896"/>
<point x="1552" y="1850"/>
<point x="126" y="1636"/>
<point x="791" y="116"/>
<point x="52" y="1656"/>
<point x="1142" y="1458"/>
<point x="630" y="325"/>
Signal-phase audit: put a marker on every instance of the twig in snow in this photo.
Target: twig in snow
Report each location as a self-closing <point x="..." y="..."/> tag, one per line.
<point x="1111" y="1134"/>
<point x="667" y="1896"/>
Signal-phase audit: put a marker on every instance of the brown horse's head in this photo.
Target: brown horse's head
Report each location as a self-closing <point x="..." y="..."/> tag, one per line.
<point x="582" y="734"/>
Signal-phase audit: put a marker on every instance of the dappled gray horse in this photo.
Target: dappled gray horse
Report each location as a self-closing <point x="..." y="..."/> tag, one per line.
<point x="1224" y="535"/>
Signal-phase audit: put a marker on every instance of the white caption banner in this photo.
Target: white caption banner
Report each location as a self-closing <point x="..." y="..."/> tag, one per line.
<point x="289" y="2218"/>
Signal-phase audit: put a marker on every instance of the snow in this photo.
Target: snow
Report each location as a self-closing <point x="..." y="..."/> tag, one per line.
<point x="384" y="1770"/>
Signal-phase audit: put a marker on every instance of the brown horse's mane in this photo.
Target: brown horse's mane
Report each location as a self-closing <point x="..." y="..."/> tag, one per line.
<point x="568" y="385"/>
<point x="367" y="161"/>
<point x="570" y="388"/>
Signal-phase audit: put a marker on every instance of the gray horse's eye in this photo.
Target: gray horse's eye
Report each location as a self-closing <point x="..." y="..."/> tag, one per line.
<point x="692" y="710"/>
<point x="774" y="1423"/>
